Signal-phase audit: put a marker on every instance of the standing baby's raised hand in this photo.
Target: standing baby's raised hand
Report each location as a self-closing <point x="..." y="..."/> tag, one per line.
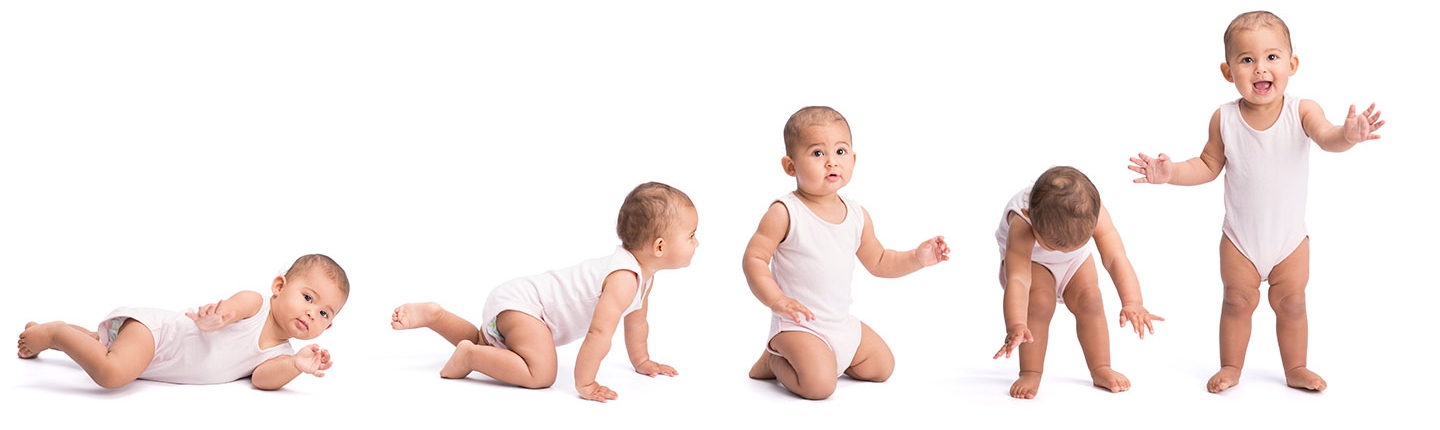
<point x="1361" y="128"/>
<point x="1155" y="170"/>
<point x="1137" y="316"/>
<point x="932" y="251"/>
<point x="209" y="317"/>
<point x="313" y="360"/>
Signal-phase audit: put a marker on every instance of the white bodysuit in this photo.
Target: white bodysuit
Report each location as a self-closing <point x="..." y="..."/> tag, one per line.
<point x="1062" y="265"/>
<point x="564" y="299"/>
<point x="186" y="355"/>
<point x="814" y="265"/>
<point x="1266" y="179"/>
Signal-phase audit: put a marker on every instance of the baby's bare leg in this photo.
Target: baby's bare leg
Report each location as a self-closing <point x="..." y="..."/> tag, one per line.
<point x="529" y="362"/>
<point x="807" y="367"/>
<point x="27" y="349"/>
<point x="450" y="326"/>
<point x="1082" y="297"/>
<point x="1039" y="313"/>
<point x="1292" y="327"/>
<point x="873" y="360"/>
<point x="1242" y="295"/>
<point x="122" y="363"/>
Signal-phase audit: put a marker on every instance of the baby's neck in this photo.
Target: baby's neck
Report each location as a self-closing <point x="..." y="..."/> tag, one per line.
<point x="272" y="334"/>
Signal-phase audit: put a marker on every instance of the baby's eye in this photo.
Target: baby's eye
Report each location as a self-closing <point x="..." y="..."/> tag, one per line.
<point x="841" y="151"/>
<point x="817" y="153"/>
<point x="307" y="297"/>
<point x="325" y="314"/>
<point x="1273" y="57"/>
<point x="1247" y="60"/>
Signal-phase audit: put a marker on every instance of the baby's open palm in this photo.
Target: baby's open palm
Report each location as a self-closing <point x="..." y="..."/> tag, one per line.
<point x="313" y="360"/>
<point x="209" y="317"/>
<point x="1362" y="128"/>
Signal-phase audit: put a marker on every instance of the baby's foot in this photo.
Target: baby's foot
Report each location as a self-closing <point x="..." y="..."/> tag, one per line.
<point x="35" y="338"/>
<point x="761" y="369"/>
<point x="1301" y="377"/>
<point x="459" y="365"/>
<point x="414" y="315"/>
<point x="1109" y="379"/>
<point x="1026" y="386"/>
<point x="1228" y="376"/>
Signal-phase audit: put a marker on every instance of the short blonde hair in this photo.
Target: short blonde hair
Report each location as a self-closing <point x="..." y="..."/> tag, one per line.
<point x="322" y="265"/>
<point x="1253" y="21"/>
<point x="1064" y="207"/>
<point x="647" y="212"/>
<point x="806" y="117"/>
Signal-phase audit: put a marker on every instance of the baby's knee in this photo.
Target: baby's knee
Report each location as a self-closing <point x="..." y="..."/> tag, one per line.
<point x="1289" y="305"/>
<point x="1237" y="303"/>
<point x="110" y="381"/>
<point x="1085" y="301"/>
<point x="815" y="388"/>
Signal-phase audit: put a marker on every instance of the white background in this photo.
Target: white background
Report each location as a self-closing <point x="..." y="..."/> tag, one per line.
<point x="168" y="154"/>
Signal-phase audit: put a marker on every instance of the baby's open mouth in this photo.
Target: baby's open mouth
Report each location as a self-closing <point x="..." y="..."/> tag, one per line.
<point x="1263" y="87"/>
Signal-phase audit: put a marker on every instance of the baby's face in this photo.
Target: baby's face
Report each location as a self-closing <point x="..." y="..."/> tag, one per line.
<point x="680" y="238"/>
<point x="305" y="305"/>
<point x="1259" y="62"/>
<point x="823" y="161"/>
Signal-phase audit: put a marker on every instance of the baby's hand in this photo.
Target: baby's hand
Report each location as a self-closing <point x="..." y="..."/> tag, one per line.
<point x="595" y="391"/>
<point x="1014" y="336"/>
<point x="1136" y="315"/>
<point x="932" y="251"/>
<point x="789" y="307"/>
<point x="313" y="360"/>
<point x="651" y="368"/>
<point x="208" y="318"/>
<point x="1361" y="128"/>
<point x="1156" y="170"/>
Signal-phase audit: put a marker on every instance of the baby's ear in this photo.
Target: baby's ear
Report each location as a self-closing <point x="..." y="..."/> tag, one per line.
<point x="1294" y="64"/>
<point x="658" y="247"/>
<point x="277" y="284"/>
<point x="788" y="165"/>
<point x="1225" y="71"/>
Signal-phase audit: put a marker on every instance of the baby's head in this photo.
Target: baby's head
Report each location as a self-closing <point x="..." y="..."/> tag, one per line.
<point x="1256" y="20"/>
<point x="1064" y="207"/>
<point x="812" y="116"/>
<point x="818" y="150"/>
<point x="1259" y="58"/>
<point x="659" y="220"/>
<point x="307" y="297"/>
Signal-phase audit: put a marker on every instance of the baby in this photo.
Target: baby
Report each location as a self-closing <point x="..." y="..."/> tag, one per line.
<point x="526" y="318"/>
<point x="1044" y="239"/>
<point x="216" y="343"/>
<point x="1262" y="142"/>
<point x="800" y="260"/>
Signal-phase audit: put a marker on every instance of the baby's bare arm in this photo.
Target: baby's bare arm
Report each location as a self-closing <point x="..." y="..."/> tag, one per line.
<point x="615" y="295"/>
<point x="1195" y="171"/>
<point x="1342" y="137"/>
<point x="889" y="263"/>
<point x="274" y="373"/>
<point x="756" y="264"/>
<point x="215" y="316"/>
<point x="1122" y="274"/>
<point x="1016" y="304"/>
<point x="637" y="334"/>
